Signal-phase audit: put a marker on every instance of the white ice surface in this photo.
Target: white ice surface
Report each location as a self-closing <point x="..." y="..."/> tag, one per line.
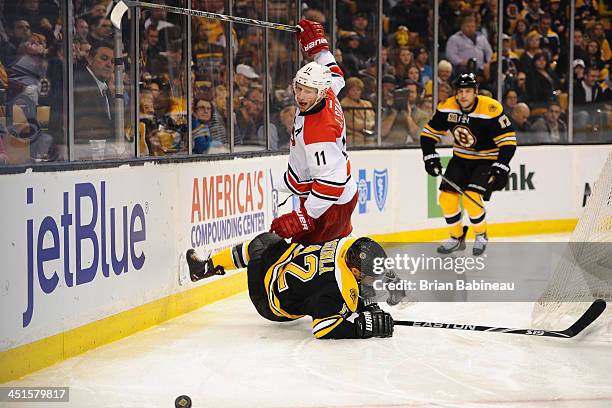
<point x="225" y="355"/>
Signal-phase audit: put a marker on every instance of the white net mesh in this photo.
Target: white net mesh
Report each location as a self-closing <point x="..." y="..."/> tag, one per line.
<point x="584" y="272"/>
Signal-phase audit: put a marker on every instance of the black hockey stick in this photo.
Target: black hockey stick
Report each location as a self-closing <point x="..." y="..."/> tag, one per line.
<point x="588" y="317"/>
<point x="460" y="191"/>
<point x="122" y="6"/>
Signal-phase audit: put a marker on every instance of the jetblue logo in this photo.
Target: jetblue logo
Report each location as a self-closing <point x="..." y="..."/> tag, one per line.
<point x="123" y="227"/>
<point x="377" y="185"/>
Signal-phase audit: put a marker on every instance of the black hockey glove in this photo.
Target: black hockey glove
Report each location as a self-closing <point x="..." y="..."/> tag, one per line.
<point x="433" y="166"/>
<point x="367" y="304"/>
<point x="374" y="324"/>
<point x="498" y="176"/>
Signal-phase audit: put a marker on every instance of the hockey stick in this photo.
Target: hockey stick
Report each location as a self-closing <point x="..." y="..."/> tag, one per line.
<point x="588" y="317"/>
<point x="122" y="6"/>
<point x="460" y="191"/>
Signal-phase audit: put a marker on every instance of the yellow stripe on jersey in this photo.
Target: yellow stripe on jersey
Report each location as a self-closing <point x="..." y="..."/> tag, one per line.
<point x="507" y="134"/>
<point x="271" y="276"/>
<point x="487" y="108"/>
<point x="321" y="327"/>
<point x="508" y="143"/>
<point x="349" y="288"/>
<point x="434" y="131"/>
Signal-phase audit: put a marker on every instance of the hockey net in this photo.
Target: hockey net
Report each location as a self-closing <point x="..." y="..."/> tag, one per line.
<point x="584" y="272"/>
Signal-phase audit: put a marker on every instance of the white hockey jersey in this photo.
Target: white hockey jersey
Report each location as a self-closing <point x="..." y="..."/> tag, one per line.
<point x="319" y="169"/>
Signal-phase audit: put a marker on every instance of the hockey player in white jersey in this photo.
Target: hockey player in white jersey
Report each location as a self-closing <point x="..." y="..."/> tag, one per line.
<point x="319" y="171"/>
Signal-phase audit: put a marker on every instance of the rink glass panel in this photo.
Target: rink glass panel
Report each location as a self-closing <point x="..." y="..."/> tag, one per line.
<point x="48" y="103"/>
<point x="33" y="80"/>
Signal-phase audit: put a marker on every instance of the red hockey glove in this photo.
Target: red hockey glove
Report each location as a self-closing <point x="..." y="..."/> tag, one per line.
<point x="312" y="38"/>
<point x="288" y="225"/>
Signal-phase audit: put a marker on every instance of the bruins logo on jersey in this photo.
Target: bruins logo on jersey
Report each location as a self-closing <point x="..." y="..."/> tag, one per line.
<point x="463" y="136"/>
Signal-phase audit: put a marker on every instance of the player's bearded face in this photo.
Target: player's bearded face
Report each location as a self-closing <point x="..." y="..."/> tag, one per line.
<point x="466" y="97"/>
<point x="305" y="97"/>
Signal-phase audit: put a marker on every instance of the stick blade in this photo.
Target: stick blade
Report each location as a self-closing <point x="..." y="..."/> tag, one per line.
<point x="117" y="14"/>
<point x="589" y="316"/>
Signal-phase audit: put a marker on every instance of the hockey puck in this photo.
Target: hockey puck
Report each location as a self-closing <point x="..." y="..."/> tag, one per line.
<point x="182" y="401"/>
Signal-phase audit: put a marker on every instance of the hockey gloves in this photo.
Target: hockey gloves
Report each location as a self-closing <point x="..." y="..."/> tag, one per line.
<point x="312" y="37"/>
<point x="433" y="166"/>
<point x="498" y="176"/>
<point x="293" y="223"/>
<point x="376" y="323"/>
<point x="199" y="268"/>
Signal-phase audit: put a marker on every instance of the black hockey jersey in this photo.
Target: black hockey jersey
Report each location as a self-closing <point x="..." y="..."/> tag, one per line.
<point x="478" y="133"/>
<point x="314" y="280"/>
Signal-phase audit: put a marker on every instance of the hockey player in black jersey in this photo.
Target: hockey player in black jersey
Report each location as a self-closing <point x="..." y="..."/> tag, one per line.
<point x="289" y="281"/>
<point x="485" y="142"/>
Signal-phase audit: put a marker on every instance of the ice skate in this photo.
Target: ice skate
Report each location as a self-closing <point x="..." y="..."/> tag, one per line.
<point x="199" y="268"/>
<point x="453" y="244"/>
<point x="480" y="244"/>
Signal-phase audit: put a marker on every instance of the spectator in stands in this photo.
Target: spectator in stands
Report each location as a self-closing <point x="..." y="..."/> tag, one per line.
<point x="41" y="20"/>
<point x="349" y="45"/>
<point x="220" y="118"/>
<point x="19" y="32"/>
<point x="532" y="12"/>
<point x="445" y="70"/>
<point x="579" y="67"/>
<point x="100" y="30"/>
<point x="200" y="125"/>
<point x="367" y="45"/>
<point x="359" y="115"/>
<point x="520" y="117"/>
<point x="598" y="34"/>
<point x="549" y="40"/>
<point x="81" y="29"/>
<point x="244" y="78"/>
<point x="559" y="17"/>
<point x="467" y="44"/>
<point x="368" y="77"/>
<point x="415" y="118"/>
<point x="510" y="62"/>
<point x="207" y="56"/>
<point x="488" y="18"/>
<point x="151" y="59"/>
<point x="510" y="100"/>
<point x="594" y="55"/>
<point x="285" y="124"/>
<point x="421" y="61"/>
<point x="580" y="51"/>
<point x="521" y="86"/>
<point x="250" y="51"/>
<point x="26" y="74"/>
<point x="403" y="61"/>
<point x="410" y="13"/>
<point x="519" y="36"/>
<point x="95" y="10"/>
<point x="531" y="49"/>
<point x="249" y="119"/>
<point x="588" y="90"/>
<point x="414" y="75"/>
<point x="445" y="91"/>
<point x="387" y="68"/>
<point x="93" y="105"/>
<point x="159" y="19"/>
<point x="315" y="15"/>
<point x="450" y="13"/>
<point x="542" y="82"/>
<point x="549" y="128"/>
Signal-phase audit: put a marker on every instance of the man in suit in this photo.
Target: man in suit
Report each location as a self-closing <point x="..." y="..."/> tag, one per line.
<point x="587" y="92"/>
<point x="93" y="103"/>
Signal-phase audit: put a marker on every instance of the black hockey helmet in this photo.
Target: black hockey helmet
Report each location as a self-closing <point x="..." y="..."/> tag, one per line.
<point x="362" y="253"/>
<point x="466" y="81"/>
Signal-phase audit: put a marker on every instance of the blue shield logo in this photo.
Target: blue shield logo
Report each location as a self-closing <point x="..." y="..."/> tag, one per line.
<point x="363" y="187"/>
<point x="381" y="186"/>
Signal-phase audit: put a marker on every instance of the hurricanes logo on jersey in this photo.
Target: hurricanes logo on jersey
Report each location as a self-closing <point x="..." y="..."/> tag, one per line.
<point x="463" y="136"/>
